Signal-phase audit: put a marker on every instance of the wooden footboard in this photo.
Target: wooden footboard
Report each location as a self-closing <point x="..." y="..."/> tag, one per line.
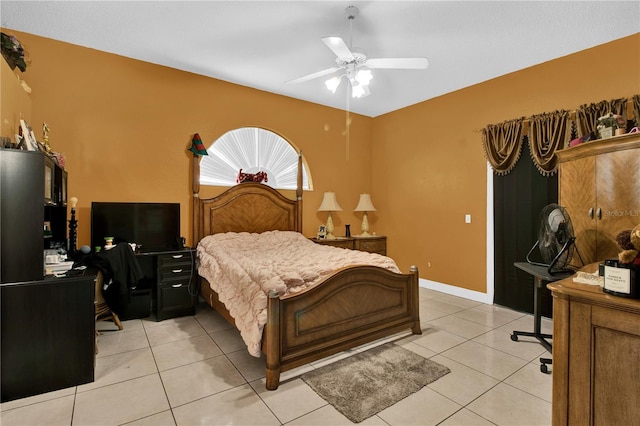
<point x="354" y="306"/>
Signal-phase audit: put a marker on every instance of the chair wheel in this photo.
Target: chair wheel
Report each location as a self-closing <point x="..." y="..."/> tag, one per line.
<point x="514" y="337"/>
<point x="544" y="369"/>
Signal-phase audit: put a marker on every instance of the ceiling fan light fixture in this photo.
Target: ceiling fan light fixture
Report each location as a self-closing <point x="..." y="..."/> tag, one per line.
<point x="333" y="83"/>
<point x="363" y="77"/>
<point x="360" y="91"/>
<point x="349" y="59"/>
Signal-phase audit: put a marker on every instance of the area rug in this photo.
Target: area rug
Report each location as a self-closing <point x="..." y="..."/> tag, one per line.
<point x="367" y="383"/>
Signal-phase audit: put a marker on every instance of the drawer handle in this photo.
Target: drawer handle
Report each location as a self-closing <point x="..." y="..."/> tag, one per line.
<point x="176" y="271"/>
<point x="599" y="213"/>
<point x="176" y="285"/>
<point x="591" y="213"/>
<point x="177" y="256"/>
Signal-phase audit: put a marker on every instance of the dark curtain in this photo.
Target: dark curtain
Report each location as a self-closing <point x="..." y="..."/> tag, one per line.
<point x="518" y="200"/>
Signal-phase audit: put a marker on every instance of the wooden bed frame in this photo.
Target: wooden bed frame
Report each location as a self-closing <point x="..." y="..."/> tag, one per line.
<point x="353" y="306"/>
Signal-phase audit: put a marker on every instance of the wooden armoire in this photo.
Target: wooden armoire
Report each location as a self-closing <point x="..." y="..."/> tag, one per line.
<point x="599" y="185"/>
<point x="596" y="336"/>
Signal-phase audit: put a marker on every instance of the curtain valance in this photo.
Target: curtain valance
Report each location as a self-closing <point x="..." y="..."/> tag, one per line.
<point x="549" y="132"/>
<point x="503" y="144"/>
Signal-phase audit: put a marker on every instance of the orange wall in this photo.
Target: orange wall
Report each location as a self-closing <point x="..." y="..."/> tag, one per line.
<point x="125" y="127"/>
<point x="15" y="102"/>
<point x="429" y="165"/>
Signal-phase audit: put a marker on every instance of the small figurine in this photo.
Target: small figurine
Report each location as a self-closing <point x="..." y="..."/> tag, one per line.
<point x="45" y="137"/>
<point x="629" y="242"/>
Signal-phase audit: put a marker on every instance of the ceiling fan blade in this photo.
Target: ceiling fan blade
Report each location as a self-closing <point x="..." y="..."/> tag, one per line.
<point x="314" y="75"/>
<point x="339" y="47"/>
<point x="398" y="63"/>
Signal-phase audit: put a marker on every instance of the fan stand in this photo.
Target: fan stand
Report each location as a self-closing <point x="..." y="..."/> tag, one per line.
<point x="540" y="277"/>
<point x="551" y="266"/>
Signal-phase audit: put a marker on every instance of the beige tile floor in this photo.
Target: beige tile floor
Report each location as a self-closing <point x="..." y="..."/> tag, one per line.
<point x="195" y="370"/>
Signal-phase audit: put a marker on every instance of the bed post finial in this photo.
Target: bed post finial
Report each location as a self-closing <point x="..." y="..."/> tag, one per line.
<point x="299" y="191"/>
<point x="195" y="205"/>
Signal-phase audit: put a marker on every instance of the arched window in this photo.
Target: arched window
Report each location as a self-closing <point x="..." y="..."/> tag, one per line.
<point x="252" y="149"/>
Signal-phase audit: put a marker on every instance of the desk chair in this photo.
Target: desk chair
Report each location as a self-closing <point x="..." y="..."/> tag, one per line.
<point x="540" y="275"/>
<point x="103" y="312"/>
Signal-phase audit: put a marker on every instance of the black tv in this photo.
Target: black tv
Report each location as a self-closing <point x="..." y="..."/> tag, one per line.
<point x="153" y="226"/>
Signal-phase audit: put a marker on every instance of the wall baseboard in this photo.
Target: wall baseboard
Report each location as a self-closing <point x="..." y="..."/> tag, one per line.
<point x="456" y="291"/>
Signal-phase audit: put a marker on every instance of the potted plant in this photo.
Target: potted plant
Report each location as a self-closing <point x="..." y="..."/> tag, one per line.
<point x="607" y="124"/>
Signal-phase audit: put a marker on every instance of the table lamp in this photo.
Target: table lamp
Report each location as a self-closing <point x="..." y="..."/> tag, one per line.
<point x="365" y="205"/>
<point x="330" y="204"/>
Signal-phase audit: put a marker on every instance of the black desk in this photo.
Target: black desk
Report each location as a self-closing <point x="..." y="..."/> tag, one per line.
<point x="541" y="275"/>
<point x="48" y="334"/>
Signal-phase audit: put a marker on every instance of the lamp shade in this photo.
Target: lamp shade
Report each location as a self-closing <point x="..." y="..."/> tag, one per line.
<point x="365" y="204"/>
<point x="329" y="203"/>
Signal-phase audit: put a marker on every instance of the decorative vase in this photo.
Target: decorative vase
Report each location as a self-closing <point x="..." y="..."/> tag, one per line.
<point x="605" y="132"/>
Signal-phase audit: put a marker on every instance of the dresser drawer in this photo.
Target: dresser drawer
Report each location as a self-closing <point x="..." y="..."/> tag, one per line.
<point x="175" y="259"/>
<point x="174" y="273"/>
<point x="175" y="299"/>
<point x="346" y="243"/>
<point x="372" y="244"/>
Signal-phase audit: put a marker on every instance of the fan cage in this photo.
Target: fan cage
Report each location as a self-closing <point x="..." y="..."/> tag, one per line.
<point x="556" y="239"/>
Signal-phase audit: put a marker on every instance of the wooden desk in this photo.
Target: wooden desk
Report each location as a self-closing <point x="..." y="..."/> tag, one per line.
<point x="596" y="355"/>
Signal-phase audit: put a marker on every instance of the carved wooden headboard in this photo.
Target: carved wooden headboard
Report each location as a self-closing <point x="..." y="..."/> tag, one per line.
<point x="246" y="207"/>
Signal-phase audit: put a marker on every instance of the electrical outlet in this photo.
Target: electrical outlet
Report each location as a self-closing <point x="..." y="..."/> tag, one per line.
<point x="467" y="218"/>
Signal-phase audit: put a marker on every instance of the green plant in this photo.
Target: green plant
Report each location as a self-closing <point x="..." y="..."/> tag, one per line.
<point x="612" y="120"/>
<point x="13" y="52"/>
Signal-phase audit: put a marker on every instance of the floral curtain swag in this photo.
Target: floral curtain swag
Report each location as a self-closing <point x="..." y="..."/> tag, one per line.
<point x="549" y="132"/>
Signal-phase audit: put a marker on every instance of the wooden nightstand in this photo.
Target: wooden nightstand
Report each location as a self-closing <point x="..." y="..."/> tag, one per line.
<point x="342" y="242"/>
<point x="373" y="244"/>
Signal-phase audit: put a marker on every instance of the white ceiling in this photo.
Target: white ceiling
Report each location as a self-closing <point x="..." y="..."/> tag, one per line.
<point x="263" y="44"/>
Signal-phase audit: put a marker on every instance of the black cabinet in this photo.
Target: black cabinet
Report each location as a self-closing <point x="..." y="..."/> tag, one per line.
<point x="170" y="278"/>
<point x="48" y="335"/>
<point x="28" y="183"/>
<point x="176" y="291"/>
<point x="175" y="288"/>
<point x="21" y="215"/>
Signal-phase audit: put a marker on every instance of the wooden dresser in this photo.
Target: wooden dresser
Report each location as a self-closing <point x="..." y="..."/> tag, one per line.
<point x="596" y="355"/>
<point x="372" y="244"/>
<point x="599" y="185"/>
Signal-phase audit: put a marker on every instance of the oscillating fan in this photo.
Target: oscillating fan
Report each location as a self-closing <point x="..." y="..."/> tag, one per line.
<point x="556" y="240"/>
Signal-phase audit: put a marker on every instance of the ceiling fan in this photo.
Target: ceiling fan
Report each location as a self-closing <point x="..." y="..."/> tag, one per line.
<point x="354" y="65"/>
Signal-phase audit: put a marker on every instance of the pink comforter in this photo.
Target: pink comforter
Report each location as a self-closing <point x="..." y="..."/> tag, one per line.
<point x="243" y="267"/>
